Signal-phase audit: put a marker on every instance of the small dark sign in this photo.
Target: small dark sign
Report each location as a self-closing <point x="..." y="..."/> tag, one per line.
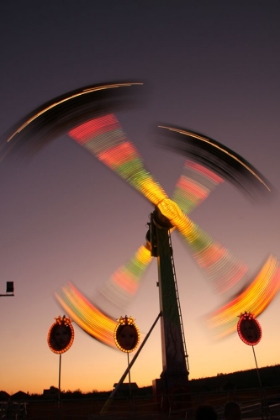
<point x="249" y="329"/>
<point x="61" y="335"/>
<point x="127" y="334"/>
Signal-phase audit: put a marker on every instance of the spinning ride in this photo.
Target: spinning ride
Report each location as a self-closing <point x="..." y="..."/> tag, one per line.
<point x="87" y="116"/>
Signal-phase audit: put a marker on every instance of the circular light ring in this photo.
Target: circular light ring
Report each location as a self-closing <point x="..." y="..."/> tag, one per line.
<point x="60" y="335"/>
<point x="249" y="329"/>
<point x="126" y="334"/>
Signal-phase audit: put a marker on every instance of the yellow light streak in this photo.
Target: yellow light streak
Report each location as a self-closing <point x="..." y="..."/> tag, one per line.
<point x="255" y="299"/>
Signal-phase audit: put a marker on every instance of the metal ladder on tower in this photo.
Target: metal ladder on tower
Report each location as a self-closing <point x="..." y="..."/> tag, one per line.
<point x="178" y="303"/>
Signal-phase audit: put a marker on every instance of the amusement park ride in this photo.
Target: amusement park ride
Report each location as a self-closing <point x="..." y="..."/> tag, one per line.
<point x="87" y="115"/>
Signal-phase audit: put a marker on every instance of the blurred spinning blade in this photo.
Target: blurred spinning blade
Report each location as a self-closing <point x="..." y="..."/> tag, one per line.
<point x="121" y="287"/>
<point x="86" y="315"/>
<point x="105" y="139"/>
<point x="86" y="114"/>
<point x="219" y="158"/>
<point x="56" y="117"/>
<point x="194" y="186"/>
<point x="255" y="299"/>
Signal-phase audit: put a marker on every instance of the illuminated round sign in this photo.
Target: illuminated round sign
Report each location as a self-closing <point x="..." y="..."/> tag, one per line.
<point x="127" y="334"/>
<point x="61" y="335"/>
<point x="249" y="329"/>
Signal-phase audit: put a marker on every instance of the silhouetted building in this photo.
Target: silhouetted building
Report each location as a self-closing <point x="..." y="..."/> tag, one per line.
<point x="51" y="393"/>
<point x="126" y="389"/>
<point x="20" y="396"/>
<point x="4" y="396"/>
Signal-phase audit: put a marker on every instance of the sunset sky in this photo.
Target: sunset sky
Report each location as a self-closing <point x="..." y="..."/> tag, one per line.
<point x="212" y="67"/>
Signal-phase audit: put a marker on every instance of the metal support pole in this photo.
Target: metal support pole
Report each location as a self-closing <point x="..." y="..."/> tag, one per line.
<point x="264" y="407"/>
<point x="59" y="380"/>
<point x="129" y="376"/>
<point x="113" y="393"/>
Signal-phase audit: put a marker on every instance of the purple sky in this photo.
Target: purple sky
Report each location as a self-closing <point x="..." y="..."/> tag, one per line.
<point x="213" y="68"/>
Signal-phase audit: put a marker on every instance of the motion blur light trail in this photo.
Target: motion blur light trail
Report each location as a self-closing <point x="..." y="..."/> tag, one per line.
<point x="56" y="117"/>
<point x="105" y="139"/>
<point x="119" y="289"/>
<point x="194" y="186"/>
<point x="86" y="114"/>
<point x="125" y="281"/>
<point x="255" y="299"/>
<point x="86" y="315"/>
<point x="218" y="158"/>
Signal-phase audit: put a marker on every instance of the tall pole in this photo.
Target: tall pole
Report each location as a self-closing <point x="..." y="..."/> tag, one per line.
<point x="257" y="368"/>
<point x="113" y="393"/>
<point x="174" y="368"/>
<point x="59" y="379"/>
<point x="264" y="406"/>
<point x="129" y="377"/>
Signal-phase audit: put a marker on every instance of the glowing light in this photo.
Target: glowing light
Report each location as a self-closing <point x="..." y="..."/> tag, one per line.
<point x="60" y="335"/>
<point x="119" y="289"/>
<point x="194" y="186"/>
<point x="114" y="149"/>
<point x="125" y="281"/>
<point x="95" y="127"/>
<point x="106" y="140"/>
<point x="223" y="270"/>
<point x="126" y="334"/>
<point x="86" y="315"/>
<point x="255" y="299"/>
<point x="249" y="329"/>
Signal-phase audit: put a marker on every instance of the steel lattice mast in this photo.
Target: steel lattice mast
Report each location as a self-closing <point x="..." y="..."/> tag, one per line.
<point x="175" y="369"/>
